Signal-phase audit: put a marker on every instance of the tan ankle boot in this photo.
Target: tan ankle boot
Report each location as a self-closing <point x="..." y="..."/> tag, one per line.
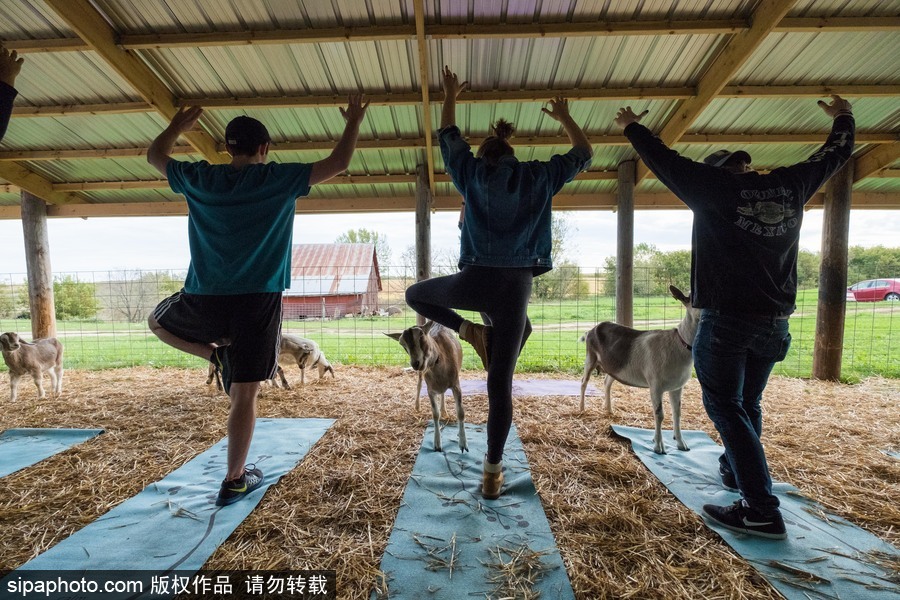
<point x="492" y="480"/>
<point x="479" y="336"/>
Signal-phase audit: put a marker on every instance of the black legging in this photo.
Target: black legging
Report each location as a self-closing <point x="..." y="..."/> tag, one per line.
<point x="502" y="294"/>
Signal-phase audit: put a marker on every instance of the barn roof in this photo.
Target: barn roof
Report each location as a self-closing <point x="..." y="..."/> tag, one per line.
<point x="333" y="269"/>
<point x="102" y="78"/>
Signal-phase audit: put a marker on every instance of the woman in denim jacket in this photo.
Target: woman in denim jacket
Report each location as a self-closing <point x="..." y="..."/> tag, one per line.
<point x="505" y="241"/>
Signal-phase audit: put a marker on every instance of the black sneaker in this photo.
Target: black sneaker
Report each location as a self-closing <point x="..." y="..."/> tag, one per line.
<point x="729" y="481"/>
<point x="741" y="518"/>
<point x="219" y="358"/>
<point x="234" y="490"/>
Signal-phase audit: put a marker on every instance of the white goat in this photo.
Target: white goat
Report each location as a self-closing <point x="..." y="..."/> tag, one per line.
<point x="436" y="354"/>
<point x="658" y="359"/>
<point x="293" y="350"/>
<point x="302" y="352"/>
<point x="32" y="358"/>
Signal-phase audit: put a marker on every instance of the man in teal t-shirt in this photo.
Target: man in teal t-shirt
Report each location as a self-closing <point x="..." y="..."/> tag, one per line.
<point x="240" y="223"/>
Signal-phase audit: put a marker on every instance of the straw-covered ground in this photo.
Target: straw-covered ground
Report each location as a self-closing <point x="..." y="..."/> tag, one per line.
<point x="620" y="532"/>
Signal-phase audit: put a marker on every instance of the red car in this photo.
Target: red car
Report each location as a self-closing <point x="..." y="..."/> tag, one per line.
<point x="875" y="290"/>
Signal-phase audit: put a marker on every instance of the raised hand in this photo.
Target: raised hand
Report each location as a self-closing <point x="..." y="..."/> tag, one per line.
<point x="10" y="65"/>
<point x="355" y="110"/>
<point x="626" y="117"/>
<point x="452" y="87"/>
<point x="559" y="109"/>
<point x="186" y="118"/>
<point x="838" y="105"/>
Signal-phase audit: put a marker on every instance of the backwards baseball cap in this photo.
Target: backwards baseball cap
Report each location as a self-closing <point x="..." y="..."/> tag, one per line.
<point x="246" y="132"/>
<point x="720" y="157"/>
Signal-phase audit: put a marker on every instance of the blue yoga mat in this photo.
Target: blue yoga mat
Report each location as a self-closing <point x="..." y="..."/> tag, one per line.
<point x="843" y="560"/>
<point x="174" y="524"/>
<point x="447" y="538"/>
<point x="529" y="387"/>
<point x="20" y="448"/>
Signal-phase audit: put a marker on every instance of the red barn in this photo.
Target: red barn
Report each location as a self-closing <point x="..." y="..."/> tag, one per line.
<point x="332" y="280"/>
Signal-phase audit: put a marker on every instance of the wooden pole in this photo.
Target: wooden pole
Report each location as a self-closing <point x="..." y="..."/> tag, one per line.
<point x="833" y="276"/>
<point x="423" y="229"/>
<point x="625" y="244"/>
<point x="37" y="261"/>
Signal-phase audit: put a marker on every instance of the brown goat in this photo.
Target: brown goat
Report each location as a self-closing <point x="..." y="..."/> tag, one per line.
<point x="32" y="358"/>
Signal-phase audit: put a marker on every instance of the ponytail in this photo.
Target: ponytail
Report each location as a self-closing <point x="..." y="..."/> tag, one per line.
<point x="496" y="146"/>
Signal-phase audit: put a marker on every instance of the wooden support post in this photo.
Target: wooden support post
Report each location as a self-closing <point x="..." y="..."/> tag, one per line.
<point x="833" y="276"/>
<point x="37" y="262"/>
<point x="625" y="245"/>
<point x="423" y="229"/>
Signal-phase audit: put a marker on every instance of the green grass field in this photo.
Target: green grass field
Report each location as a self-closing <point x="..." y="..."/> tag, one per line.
<point x="871" y="338"/>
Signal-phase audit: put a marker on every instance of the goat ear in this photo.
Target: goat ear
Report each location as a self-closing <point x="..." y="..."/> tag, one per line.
<point x="678" y="295"/>
<point x="394" y="336"/>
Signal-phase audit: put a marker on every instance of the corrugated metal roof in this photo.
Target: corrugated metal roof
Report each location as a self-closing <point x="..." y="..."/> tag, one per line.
<point x="391" y="66"/>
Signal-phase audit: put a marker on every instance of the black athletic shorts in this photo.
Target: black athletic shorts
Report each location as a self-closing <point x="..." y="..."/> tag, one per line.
<point x="251" y="321"/>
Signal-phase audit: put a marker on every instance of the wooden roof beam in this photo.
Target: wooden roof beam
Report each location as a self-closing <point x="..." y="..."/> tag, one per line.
<point x="729" y="61"/>
<point x="318" y="205"/>
<point x="838" y="24"/>
<point x="495" y="96"/>
<point x="92" y="27"/>
<point x="815" y="137"/>
<point x="25" y="179"/>
<point x="379" y="179"/>
<point x="874" y="161"/>
<point x="508" y="30"/>
<point x="419" y="13"/>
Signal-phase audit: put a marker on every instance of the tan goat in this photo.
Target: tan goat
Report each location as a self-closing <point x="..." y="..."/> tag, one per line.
<point x="436" y="354"/>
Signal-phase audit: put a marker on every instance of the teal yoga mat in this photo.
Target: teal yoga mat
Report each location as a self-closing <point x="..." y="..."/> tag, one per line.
<point x="844" y="561"/>
<point x="447" y="539"/>
<point x="174" y="524"/>
<point x="20" y="448"/>
<point x="529" y="387"/>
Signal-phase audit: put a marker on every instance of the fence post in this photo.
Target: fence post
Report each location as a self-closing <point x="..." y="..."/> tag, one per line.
<point x="625" y="244"/>
<point x="423" y="229"/>
<point x="833" y="276"/>
<point x="37" y="263"/>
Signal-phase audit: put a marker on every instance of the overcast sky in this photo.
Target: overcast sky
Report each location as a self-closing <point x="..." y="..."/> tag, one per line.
<point x="150" y="243"/>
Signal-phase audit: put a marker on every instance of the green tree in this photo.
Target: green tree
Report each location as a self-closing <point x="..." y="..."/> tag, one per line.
<point x="75" y="299"/>
<point x="565" y="280"/>
<point x="645" y="260"/>
<point x="872" y="263"/>
<point x="807" y="269"/>
<point x="672" y="268"/>
<point x="9" y="300"/>
<point x="364" y="236"/>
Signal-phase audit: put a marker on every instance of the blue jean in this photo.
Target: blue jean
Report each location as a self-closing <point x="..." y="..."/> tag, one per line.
<point x="733" y="357"/>
<point x="501" y="294"/>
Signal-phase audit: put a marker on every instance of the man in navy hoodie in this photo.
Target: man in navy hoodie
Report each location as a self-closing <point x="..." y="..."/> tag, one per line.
<point x="10" y="65"/>
<point x="744" y="278"/>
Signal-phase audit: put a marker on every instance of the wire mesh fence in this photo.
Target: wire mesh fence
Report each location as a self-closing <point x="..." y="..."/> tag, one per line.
<point x="101" y="318"/>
